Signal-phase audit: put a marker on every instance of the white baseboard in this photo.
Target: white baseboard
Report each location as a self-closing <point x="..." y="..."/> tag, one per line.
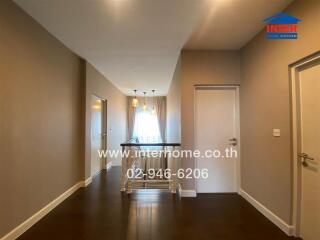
<point x="87" y="182"/>
<point x="106" y="167"/>
<point x="288" y="229"/>
<point x="15" y="233"/>
<point x="186" y="193"/>
<point x="109" y="165"/>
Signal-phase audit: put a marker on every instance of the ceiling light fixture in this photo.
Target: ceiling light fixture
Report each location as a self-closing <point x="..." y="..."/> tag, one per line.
<point x="153" y="107"/>
<point x="135" y="101"/>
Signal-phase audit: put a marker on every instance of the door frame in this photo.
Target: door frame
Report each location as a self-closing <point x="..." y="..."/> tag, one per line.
<point x="104" y="130"/>
<point x="294" y="70"/>
<point x="235" y="87"/>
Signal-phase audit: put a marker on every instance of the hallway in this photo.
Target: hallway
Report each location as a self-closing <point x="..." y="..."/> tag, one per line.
<point x="206" y="109"/>
<point x="102" y="212"/>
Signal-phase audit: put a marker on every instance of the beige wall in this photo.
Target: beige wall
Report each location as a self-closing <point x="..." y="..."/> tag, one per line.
<point x="174" y="107"/>
<point x="265" y="104"/>
<point x="98" y="85"/>
<point x="202" y="67"/>
<point x="41" y="118"/>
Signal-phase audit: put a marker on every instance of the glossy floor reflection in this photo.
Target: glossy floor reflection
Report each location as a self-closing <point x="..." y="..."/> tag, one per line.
<point x="102" y="212"/>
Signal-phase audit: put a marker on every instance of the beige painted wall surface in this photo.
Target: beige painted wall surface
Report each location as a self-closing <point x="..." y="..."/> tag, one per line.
<point x="174" y="112"/>
<point x="97" y="84"/>
<point x="174" y="107"/>
<point x="202" y="67"/>
<point x="265" y="104"/>
<point x="41" y="118"/>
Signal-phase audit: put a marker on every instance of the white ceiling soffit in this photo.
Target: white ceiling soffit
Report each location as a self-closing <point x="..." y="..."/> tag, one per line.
<point x="136" y="43"/>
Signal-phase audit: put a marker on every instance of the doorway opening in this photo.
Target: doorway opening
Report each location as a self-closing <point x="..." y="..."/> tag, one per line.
<point x="98" y="134"/>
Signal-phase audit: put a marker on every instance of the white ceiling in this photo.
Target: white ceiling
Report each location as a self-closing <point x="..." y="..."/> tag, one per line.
<point x="230" y="24"/>
<point x="136" y="43"/>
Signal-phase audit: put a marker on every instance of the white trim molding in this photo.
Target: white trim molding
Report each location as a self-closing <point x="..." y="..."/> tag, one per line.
<point x="106" y="167"/>
<point x="288" y="229"/>
<point x="109" y="165"/>
<point x="23" y="227"/>
<point x="87" y="182"/>
<point x="186" y="193"/>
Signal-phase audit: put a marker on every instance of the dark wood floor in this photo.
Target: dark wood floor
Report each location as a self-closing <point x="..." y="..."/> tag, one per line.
<point x="102" y="212"/>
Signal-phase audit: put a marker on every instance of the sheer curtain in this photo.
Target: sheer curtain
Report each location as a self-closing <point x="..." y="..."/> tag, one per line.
<point x="146" y="127"/>
<point x="149" y="127"/>
<point x="160" y="107"/>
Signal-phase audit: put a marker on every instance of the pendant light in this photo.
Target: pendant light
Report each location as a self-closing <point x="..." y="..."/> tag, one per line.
<point x="144" y="108"/>
<point x="153" y="107"/>
<point x="135" y="101"/>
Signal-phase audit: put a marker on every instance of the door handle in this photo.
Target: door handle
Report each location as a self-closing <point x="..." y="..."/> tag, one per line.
<point x="233" y="141"/>
<point x="304" y="157"/>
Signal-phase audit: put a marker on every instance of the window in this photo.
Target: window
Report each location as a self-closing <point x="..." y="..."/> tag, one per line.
<point x="146" y="127"/>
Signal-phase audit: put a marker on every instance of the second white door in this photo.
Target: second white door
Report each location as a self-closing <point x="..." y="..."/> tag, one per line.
<point x="309" y="154"/>
<point x="216" y="129"/>
<point x="96" y="134"/>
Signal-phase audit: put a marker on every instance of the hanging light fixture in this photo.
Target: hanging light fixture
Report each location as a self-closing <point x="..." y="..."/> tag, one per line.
<point x="135" y="101"/>
<point x="144" y="108"/>
<point x="153" y="107"/>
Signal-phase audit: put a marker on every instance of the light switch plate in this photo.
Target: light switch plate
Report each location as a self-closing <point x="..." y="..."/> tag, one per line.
<point x="276" y="132"/>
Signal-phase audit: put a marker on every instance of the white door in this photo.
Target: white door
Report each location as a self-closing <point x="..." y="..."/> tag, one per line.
<point x="96" y="134"/>
<point x="309" y="129"/>
<point x="216" y="124"/>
